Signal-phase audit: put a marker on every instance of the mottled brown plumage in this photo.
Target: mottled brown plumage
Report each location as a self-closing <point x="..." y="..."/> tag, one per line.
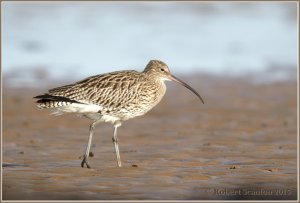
<point x="112" y="97"/>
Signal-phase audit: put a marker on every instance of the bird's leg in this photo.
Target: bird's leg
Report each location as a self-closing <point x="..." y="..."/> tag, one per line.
<point x="115" y="141"/>
<point x="87" y="151"/>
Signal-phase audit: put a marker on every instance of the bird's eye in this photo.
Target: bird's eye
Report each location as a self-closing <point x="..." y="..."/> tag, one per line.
<point x="162" y="69"/>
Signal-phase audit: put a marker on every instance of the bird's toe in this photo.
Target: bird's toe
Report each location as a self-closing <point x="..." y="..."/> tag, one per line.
<point x="85" y="161"/>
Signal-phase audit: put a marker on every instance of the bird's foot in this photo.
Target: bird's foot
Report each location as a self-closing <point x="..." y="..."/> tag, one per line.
<point x="85" y="161"/>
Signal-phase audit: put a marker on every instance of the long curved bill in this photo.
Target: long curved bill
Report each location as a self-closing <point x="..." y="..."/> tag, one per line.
<point x="173" y="78"/>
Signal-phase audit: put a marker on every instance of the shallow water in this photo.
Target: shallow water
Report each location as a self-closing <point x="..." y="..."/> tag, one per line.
<point x="54" y="39"/>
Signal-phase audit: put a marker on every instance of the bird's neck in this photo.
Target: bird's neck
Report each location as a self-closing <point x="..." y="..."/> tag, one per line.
<point x="154" y="78"/>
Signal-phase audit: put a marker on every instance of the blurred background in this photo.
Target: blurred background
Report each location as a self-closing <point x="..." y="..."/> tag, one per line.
<point x="55" y="41"/>
<point x="241" y="57"/>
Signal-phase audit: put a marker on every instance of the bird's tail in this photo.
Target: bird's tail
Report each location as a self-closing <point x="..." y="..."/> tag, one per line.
<point x="46" y="101"/>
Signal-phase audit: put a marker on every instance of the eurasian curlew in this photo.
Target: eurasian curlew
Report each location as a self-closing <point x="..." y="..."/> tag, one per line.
<point x="112" y="97"/>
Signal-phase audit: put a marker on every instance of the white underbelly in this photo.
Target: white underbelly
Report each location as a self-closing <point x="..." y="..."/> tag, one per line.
<point x="90" y="111"/>
<point x="77" y="108"/>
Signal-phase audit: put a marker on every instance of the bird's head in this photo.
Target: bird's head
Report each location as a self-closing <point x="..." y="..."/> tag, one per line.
<point x="160" y="70"/>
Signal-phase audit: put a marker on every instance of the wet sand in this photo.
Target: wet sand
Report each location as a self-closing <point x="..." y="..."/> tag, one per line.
<point x="241" y="144"/>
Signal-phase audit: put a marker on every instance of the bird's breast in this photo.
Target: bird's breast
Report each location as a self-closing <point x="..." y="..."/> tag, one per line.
<point x="146" y="98"/>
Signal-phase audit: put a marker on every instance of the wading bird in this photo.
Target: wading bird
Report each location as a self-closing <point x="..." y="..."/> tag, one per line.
<point x="112" y="97"/>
